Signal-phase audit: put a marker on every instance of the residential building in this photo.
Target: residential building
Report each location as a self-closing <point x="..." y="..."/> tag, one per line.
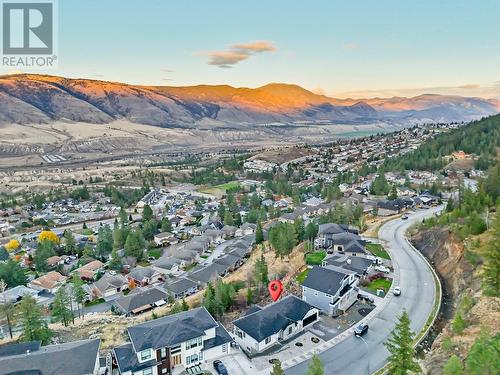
<point x="263" y="327"/>
<point x="140" y="300"/>
<point x="109" y="285"/>
<point x="49" y="282"/>
<point x="331" y="291"/>
<point x="184" y="340"/>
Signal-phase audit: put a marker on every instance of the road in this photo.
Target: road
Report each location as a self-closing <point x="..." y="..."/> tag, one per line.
<point x="355" y="356"/>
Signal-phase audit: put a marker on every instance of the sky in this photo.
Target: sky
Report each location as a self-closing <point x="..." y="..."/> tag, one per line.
<point x="338" y="48"/>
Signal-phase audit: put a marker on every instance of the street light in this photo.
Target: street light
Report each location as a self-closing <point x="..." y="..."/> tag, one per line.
<point x="366" y="344"/>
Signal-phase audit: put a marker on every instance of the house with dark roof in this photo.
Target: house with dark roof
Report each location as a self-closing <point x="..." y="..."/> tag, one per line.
<point x="172" y="343"/>
<point x="347" y="243"/>
<point x="360" y="265"/>
<point x="109" y="285"/>
<point x="140" y="300"/>
<point x="145" y="276"/>
<point x="327" y="231"/>
<point x="181" y="287"/>
<point x="75" y="358"/>
<point x="331" y="291"/>
<point x="263" y="327"/>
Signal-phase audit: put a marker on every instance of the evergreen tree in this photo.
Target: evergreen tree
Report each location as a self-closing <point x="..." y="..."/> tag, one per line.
<point x="453" y="366"/>
<point x="123" y="216"/>
<point x="249" y="296"/>
<point x="70" y="242"/>
<point x="259" y="235"/>
<point x="184" y="305"/>
<point x="78" y="293"/>
<point x="491" y="256"/>
<point x="484" y="358"/>
<point x="115" y="262"/>
<point x="12" y="273"/>
<point x="166" y="225"/>
<point x="6" y="307"/>
<point x="393" y="194"/>
<point x="277" y="369"/>
<point x="61" y="307"/>
<point x="147" y="213"/>
<point x="104" y="242"/>
<point x="228" y="218"/>
<point x="34" y="327"/>
<point x="134" y="245"/>
<point x="400" y="345"/>
<point x="45" y="250"/>
<point x="315" y="366"/>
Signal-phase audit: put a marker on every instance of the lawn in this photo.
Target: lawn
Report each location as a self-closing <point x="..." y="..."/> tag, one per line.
<point x="381" y="283"/>
<point x="302" y="276"/>
<point x="190" y="267"/>
<point x="315" y="258"/>
<point x="156" y="253"/>
<point x="228" y="185"/>
<point x="377" y="250"/>
<point x="95" y="302"/>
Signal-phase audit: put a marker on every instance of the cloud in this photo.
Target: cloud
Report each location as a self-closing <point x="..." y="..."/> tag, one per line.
<point x="470" y="86"/>
<point x="350" y="46"/>
<point x="238" y="52"/>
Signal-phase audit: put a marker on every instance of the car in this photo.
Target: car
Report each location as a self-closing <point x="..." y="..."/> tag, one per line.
<point x="382" y="269"/>
<point x="366" y="297"/>
<point x="360" y="330"/>
<point x="397" y="291"/>
<point x="404" y="217"/>
<point x="112" y="272"/>
<point x="220" y="368"/>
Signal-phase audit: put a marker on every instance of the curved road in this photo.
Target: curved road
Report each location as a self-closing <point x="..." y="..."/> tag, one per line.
<point x="412" y="274"/>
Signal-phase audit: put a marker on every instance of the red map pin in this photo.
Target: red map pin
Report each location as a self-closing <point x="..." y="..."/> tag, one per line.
<point x="275" y="288"/>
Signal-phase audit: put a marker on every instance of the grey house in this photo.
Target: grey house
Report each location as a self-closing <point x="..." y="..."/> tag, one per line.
<point x="181" y="287"/>
<point x="331" y="291"/>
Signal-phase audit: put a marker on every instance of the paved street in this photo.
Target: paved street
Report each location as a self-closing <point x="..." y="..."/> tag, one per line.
<point x="365" y="356"/>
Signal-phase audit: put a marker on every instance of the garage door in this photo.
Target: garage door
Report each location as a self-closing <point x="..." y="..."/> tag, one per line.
<point x="310" y="319"/>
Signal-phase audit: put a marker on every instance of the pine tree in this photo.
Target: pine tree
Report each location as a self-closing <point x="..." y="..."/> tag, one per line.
<point x="70" y="242"/>
<point x="147" y="213"/>
<point x="277" y="369"/>
<point x="249" y="296"/>
<point x="34" y="327"/>
<point x="491" y="256"/>
<point x="453" y="366"/>
<point x="315" y="366"/>
<point x="184" y="305"/>
<point x="393" y="194"/>
<point x="60" y="307"/>
<point x="400" y="345"/>
<point x="114" y="262"/>
<point x="78" y="293"/>
<point x="259" y="235"/>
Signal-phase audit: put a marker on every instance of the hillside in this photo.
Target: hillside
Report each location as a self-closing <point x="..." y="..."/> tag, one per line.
<point x="39" y="99"/>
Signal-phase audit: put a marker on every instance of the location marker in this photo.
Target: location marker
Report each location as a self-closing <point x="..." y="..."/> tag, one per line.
<point x="275" y="288"/>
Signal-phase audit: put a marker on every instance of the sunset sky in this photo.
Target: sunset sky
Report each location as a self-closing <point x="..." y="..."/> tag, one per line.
<point x="340" y="48"/>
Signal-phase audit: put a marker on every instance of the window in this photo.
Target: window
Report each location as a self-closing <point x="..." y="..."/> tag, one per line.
<point x="268" y="340"/>
<point x="175" y="349"/>
<point x="163" y="352"/>
<point x="224" y="348"/>
<point x="148" y="371"/>
<point x="194" y="343"/>
<point x="290" y="330"/>
<point x="145" y="355"/>
<point x="192" y="359"/>
<point x="164" y="370"/>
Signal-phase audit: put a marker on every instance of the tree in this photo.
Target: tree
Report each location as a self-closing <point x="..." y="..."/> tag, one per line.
<point x="483" y="358"/>
<point x="379" y="186"/>
<point x="311" y="231"/>
<point x="261" y="272"/>
<point x="45" y="250"/>
<point x="12" y="274"/>
<point x="123" y="216"/>
<point x="393" y="194"/>
<point x="400" y="345"/>
<point x="134" y="245"/>
<point x="61" y="307"/>
<point x="115" y="262"/>
<point x="12" y="245"/>
<point x="34" y="327"/>
<point x="315" y="366"/>
<point x="259" y="235"/>
<point x="166" y="225"/>
<point x="70" y="242"/>
<point x="147" y="213"/>
<point x="184" y="305"/>
<point x="491" y="257"/>
<point x="282" y="238"/>
<point x="149" y="229"/>
<point x="228" y="218"/>
<point x="459" y="323"/>
<point x="104" y="242"/>
<point x="453" y="366"/>
<point x="6" y="306"/>
<point x="4" y="255"/>
<point x="78" y="293"/>
<point x="249" y="296"/>
<point x="277" y="369"/>
<point x="48" y="235"/>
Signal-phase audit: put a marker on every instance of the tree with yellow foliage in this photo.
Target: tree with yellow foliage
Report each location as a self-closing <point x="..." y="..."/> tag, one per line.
<point x="12" y="245"/>
<point x="48" y="235"/>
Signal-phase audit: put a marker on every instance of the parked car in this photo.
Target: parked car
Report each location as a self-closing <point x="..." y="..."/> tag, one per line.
<point x="404" y="217"/>
<point x="397" y="291"/>
<point x="220" y="368"/>
<point x="112" y="272"/>
<point x="360" y="330"/>
<point x="382" y="269"/>
<point x="366" y="297"/>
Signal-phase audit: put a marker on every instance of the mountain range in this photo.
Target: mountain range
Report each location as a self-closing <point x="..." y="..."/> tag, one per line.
<point x="40" y="99"/>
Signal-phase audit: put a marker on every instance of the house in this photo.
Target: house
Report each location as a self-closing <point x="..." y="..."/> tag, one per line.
<point x="264" y="327"/>
<point x="215" y="235"/>
<point x="55" y="260"/>
<point x="145" y="276"/>
<point x="109" y="285"/>
<point x="361" y="266"/>
<point x="168" y="265"/>
<point x="176" y="342"/>
<point x="16" y="294"/>
<point x="164" y="238"/>
<point x="181" y="287"/>
<point x="228" y="231"/>
<point x="209" y="273"/>
<point x="140" y="300"/>
<point x="90" y="270"/>
<point x="347" y="243"/>
<point x="245" y="229"/>
<point x="49" y="282"/>
<point x="75" y="358"/>
<point x="327" y="231"/>
<point x="331" y="291"/>
<point x="231" y="261"/>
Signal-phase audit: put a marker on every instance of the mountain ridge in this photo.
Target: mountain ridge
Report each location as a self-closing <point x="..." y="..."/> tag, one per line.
<point x="39" y="99"/>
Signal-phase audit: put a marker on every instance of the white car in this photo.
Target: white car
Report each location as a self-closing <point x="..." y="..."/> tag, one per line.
<point x="397" y="291"/>
<point x="382" y="269"/>
<point x="112" y="272"/>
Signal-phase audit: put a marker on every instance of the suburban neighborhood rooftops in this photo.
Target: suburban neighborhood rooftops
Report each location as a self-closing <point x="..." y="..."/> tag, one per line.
<point x="273" y="318"/>
<point x="127" y="359"/>
<point x="139" y="298"/>
<point x="76" y="358"/>
<point x="221" y="337"/>
<point x="181" y="285"/>
<point x="324" y="280"/>
<point x="21" y="348"/>
<point x="171" y="330"/>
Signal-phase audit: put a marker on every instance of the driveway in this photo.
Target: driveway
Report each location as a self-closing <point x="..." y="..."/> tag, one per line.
<point x="367" y="355"/>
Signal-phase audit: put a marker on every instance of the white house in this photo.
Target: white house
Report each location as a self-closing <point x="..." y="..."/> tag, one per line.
<point x="263" y="327"/>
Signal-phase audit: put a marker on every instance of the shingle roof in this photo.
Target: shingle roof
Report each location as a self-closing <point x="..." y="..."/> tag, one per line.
<point x="273" y="318"/>
<point x="75" y="358"/>
<point x="324" y="280"/>
<point x="181" y="285"/>
<point x="140" y="298"/>
<point x="171" y="330"/>
<point x="21" y="348"/>
<point x="127" y="359"/>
